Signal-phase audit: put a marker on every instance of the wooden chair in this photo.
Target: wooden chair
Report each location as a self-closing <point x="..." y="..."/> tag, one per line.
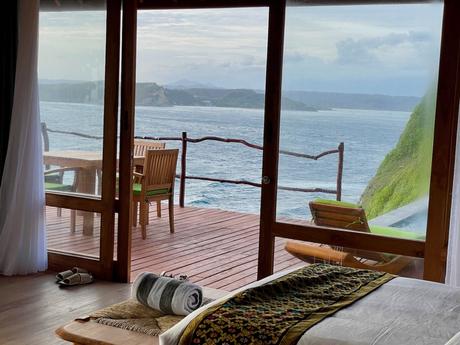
<point x="140" y="148"/>
<point x="348" y="216"/>
<point x="156" y="183"/>
<point x="60" y="186"/>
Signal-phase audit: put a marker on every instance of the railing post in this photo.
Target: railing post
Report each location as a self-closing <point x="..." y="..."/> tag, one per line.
<point x="46" y="140"/>
<point x="183" y="167"/>
<point x="341" y="149"/>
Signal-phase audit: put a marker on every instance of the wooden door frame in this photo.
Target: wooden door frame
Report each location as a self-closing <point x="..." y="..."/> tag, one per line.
<point x="445" y="142"/>
<point x="446" y="119"/>
<point x="102" y="266"/>
<point x="273" y="82"/>
<point x="127" y="123"/>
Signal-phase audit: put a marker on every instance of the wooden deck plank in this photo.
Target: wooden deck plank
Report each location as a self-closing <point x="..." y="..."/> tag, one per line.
<point x="216" y="248"/>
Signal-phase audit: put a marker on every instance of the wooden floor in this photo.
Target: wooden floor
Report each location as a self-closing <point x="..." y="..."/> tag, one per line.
<point x="32" y="307"/>
<point x="215" y="248"/>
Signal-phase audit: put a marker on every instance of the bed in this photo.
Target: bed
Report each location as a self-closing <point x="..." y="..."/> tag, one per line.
<point x="401" y="311"/>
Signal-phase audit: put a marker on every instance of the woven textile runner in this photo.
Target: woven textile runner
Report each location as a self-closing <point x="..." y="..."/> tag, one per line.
<point x="280" y="311"/>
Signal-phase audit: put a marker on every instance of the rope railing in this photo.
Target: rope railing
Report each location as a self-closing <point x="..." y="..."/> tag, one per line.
<point x="184" y="139"/>
<point x="86" y="136"/>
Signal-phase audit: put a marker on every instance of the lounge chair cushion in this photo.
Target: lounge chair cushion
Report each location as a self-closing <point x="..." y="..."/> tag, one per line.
<point x="395" y="232"/>
<point x="58" y="187"/>
<point x="375" y="229"/>
<point x="137" y="187"/>
<point x="336" y="203"/>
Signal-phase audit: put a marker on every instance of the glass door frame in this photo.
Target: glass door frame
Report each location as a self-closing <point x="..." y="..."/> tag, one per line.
<point x="434" y="249"/>
<point x="106" y="205"/>
<point x="127" y="117"/>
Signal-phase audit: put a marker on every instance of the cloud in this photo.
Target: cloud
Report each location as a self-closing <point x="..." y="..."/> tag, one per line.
<point x="326" y="47"/>
<point x="369" y="50"/>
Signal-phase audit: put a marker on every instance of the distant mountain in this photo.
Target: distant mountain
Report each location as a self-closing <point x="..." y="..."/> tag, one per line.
<point x="152" y="94"/>
<point x="72" y="92"/>
<point x="189" y="84"/>
<point x="237" y="98"/>
<point x="354" y="100"/>
<point x="59" y="81"/>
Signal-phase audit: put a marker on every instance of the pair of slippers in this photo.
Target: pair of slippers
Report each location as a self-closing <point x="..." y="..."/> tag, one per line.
<point x="75" y="276"/>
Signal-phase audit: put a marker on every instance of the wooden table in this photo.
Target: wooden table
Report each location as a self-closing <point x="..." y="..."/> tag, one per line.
<point x="92" y="333"/>
<point x="89" y="163"/>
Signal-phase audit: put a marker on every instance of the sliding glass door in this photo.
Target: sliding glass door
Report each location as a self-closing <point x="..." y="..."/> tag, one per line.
<point x="79" y="106"/>
<point x="358" y="96"/>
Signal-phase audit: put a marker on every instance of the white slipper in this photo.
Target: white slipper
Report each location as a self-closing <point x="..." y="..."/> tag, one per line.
<point x="77" y="279"/>
<point x="64" y="274"/>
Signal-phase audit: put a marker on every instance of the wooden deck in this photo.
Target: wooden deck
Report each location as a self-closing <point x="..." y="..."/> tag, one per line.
<point x="215" y="248"/>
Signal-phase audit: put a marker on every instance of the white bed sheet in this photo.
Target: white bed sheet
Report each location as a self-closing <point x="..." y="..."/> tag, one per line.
<point x="401" y="312"/>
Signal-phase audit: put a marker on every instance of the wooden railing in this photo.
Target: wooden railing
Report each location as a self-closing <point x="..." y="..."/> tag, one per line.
<point x="184" y="139"/>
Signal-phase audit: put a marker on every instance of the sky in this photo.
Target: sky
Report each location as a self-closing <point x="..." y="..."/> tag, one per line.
<point x="384" y="49"/>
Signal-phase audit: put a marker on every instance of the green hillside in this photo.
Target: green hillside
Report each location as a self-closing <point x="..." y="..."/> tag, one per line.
<point x="403" y="176"/>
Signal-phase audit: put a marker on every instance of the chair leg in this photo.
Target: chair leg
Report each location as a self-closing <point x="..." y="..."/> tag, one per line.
<point x="73" y="216"/>
<point x="171" y="214"/>
<point x="159" y="208"/>
<point x="142" y="219"/>
<point x="134" y="213"/>
<point x="59" y="212"/>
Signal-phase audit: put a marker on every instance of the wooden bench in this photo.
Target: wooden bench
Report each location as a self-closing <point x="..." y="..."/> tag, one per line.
<point x="92" y="333"/>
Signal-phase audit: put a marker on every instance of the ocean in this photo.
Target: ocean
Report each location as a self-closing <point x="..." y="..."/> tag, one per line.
<point x="368" y="135"/>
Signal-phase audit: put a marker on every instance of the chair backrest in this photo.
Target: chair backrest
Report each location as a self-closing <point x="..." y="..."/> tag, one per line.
<point x="160" y="169"/>
<point x="141" y="146"/>
<point x="335" y="216"/>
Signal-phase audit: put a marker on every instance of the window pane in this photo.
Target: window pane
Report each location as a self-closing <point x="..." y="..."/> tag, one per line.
<point x="71" y="75"/>
<point x="203" y="72"/>
<point x="73" y="231"/>
<point x="366" y="77"/>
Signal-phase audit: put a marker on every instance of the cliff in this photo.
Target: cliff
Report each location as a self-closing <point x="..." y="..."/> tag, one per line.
<point x="404" y="174"/>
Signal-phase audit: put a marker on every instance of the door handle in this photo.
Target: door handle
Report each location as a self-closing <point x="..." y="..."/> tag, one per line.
<point x="266" y="180"/>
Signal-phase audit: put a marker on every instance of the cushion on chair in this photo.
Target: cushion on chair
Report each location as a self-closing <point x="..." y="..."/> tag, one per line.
<point x="53" y="178"/>
<point x="336" y="203"/>
<point x="137" y="187"/>
<point x="58" y="187"/>
<point x="395" y="232"/>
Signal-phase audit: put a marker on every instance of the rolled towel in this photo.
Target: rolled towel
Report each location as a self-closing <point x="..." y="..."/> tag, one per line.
<point x="168" y="295"/>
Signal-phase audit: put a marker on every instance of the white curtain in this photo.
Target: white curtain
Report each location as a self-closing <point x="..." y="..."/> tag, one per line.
<point x="22" y="198"/>
<point x="453" y="252"/>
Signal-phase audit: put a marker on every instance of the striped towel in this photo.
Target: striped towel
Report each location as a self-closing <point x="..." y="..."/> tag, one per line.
<point x="168" y="295"/>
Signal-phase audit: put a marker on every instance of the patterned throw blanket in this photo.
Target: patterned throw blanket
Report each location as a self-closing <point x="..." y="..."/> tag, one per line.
<point x="280" y="311"/>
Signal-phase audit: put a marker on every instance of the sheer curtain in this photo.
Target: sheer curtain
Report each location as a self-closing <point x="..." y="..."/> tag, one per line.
<point x="22" y="198"/>
<point x="453" y="252"/>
